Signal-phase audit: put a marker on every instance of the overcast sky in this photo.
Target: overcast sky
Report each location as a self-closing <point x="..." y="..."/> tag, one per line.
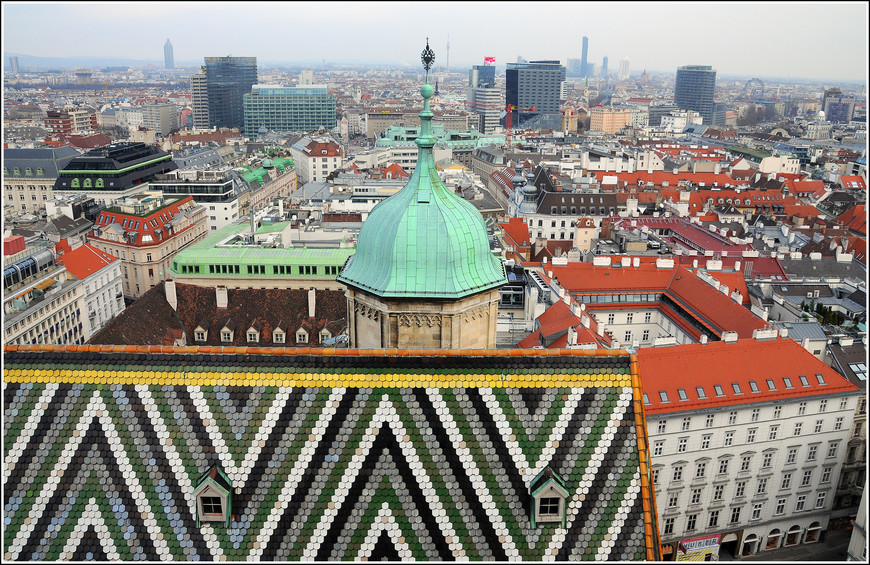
<point x="812" y="40"/>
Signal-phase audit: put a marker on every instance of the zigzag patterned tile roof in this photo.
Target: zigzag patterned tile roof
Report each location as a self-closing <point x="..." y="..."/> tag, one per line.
<point x="332" y="456"/>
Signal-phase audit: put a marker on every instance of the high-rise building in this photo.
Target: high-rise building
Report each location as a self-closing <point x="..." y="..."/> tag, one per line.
<point x="168" y="57"/>
<point x="538" y="85"/>
<point x="162" y="117"/>
<point x="694" y="90"/>
<point x="604" y="67"/>
<point x="484" y="98"/>
<point x="199" y="99"/>
<point x="227" y="80"/>
<point x="583" y="57"/>
<point x="624" y="71"/>
<point x="288" y="108"/>
<point x="306" y="77"/>
<point x="838" y="108"/>
<point x="13" y="64"/>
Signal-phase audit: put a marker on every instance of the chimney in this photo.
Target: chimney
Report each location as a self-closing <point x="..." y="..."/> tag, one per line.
<point x="636" y="262"/>
<point x="783" y="332"/>
<point x="311" y="303"/>
<point x="729" y="337"/>
<point x="221" y="294"/>
<point x="171" y="296"/>
<point x="703" y="340"/>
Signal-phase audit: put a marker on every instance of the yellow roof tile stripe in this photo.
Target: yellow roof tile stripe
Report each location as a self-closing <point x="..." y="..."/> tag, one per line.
<point x="318" y="380"/>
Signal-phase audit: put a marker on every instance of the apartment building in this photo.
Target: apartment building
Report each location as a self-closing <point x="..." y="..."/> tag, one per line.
<point x="316" y="158"/>
<point x="747" y="440"/>
<point x="100" y="274"/>
<point x="42" y="302"/>
<point x="29" y="176"/>
<point x="146" y="232"/>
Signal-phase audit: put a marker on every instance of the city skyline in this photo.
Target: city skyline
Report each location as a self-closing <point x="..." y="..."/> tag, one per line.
<point x="391" y="33"/>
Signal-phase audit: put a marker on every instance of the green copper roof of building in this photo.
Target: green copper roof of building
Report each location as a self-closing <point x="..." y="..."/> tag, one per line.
<point x="424" y="241"/>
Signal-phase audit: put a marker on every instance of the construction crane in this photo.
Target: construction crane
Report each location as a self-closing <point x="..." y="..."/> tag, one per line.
<point x="507" y="113"/>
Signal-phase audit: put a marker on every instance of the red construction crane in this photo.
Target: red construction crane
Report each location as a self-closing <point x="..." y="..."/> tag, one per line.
<point x="507" y="108"/>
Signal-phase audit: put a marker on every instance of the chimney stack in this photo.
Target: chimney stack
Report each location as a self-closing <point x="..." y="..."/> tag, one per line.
<point x="311" y="303"/>
<point x="171" y="296"/>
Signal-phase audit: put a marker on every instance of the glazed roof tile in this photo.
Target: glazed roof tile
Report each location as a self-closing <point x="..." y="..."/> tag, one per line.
<point x="332" y="454"/>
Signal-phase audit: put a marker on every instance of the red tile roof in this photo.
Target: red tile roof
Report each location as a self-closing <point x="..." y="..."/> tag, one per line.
<point x="853" y="181"/>
<point x="855" y="219"/>
<point x="710" y="307"/>
<point x="152" y="224"/>
<point x="517" y="232"/>
<point x="85" y="261"/>
<point x="718" y="363"/>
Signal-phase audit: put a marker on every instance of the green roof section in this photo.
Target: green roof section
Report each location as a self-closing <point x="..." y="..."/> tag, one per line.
<point x="226" y="247"/>
<point x="424" y="241"/>
<point x="257" y="174"/>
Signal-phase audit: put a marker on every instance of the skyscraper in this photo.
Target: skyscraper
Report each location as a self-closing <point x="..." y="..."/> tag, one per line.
<point x="694" y="90"/>
<point x="624" y="72"/>
<point x="168" y="57"/>
<point x="583" y="56"/>
<point x="535" y="84"/>
<point x="199" y="99"/>
<point x="227" y="80"/>
<point x="604" y="67"/>
<point x="484" y="98"/>
<point x="838" y="107"/>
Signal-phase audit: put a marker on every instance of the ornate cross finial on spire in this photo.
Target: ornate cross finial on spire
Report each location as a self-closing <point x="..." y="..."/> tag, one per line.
<point x="428" y="58"/>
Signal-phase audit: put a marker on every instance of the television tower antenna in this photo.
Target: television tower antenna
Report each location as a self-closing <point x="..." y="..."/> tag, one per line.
<point x="447" y="59"/>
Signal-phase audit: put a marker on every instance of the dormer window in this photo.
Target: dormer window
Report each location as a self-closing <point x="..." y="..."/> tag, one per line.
<point x="324" y="335"/>
<point x="278" y="336"/>
<point x="213" y="493"/>
<point x="253" y="336"/>
<point x="301" y="336"/>
<point x="549" y="498"/>
<point x="226" y="336"/>
<point x="200" y="334"/>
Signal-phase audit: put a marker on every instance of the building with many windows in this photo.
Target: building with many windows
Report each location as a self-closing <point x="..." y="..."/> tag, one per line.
<point x="29" y="176"/>
<point x="288" y="109"/>
<point x="747" y="440"/>
<point x="484" y="98"/>
<point x="316" y="158"/>
<point x="146" y="232"/>
<point x="538" y="85"/>
<point x="218" y="91"/>
<point x="115" y="171"/>
<point x="100" y="274"/>
<point x="694" y="90"/>
<point x="273" y="256"/>
<point x="42" y="302"/>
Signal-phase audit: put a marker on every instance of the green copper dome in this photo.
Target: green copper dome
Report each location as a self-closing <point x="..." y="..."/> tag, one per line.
<point x="424" y="241"/>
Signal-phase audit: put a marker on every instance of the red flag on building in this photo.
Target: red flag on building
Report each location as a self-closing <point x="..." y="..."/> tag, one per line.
<point x="488" y="60"/>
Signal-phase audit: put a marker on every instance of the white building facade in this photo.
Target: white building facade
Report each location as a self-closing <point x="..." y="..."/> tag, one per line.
<point x="745" y="452"/>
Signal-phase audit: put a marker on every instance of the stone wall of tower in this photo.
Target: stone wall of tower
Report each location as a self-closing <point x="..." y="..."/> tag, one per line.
<point x="467" y="323"/>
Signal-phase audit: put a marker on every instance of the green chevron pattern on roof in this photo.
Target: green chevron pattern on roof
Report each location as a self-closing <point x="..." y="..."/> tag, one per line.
<point x="424" y="241"/>
<point x="106" y="469"/>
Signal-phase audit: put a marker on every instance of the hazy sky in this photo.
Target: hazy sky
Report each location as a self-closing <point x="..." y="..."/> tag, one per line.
<point x="814" y="40"/>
